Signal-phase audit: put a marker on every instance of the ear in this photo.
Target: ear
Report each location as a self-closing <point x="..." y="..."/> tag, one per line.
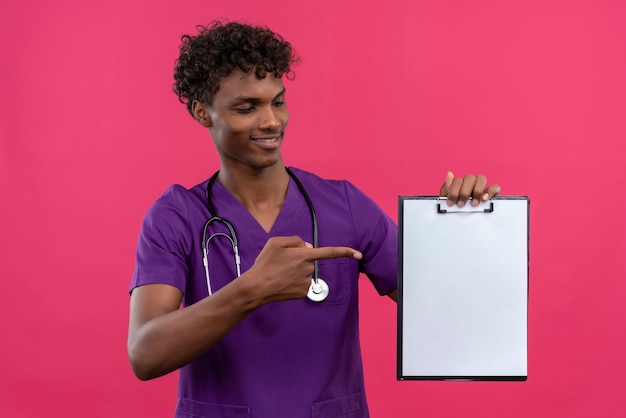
<point x="201" y="114"/>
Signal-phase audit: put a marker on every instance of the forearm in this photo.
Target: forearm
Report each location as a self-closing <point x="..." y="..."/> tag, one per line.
<point x="169" y="341"/>
<point x="163" y="338"/>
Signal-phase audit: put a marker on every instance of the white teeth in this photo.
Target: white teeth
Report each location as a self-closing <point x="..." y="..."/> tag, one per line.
<point x="266" y="140"/>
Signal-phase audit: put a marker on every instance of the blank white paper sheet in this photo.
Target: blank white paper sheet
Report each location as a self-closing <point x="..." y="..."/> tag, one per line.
<point x="463" y="289"/>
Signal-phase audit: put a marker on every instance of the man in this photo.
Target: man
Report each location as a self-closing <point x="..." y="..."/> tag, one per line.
<point x="255" y="335"/>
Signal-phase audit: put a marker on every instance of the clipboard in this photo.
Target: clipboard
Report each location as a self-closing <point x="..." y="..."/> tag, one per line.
<point x="463" y="289"/>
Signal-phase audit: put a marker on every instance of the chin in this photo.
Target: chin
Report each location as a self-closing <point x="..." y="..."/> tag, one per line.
<point x="268" y="162"/>
<point x="263" y="165"/>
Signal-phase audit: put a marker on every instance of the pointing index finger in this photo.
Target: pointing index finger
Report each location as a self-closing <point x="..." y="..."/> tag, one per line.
<point x="327" y="253"/>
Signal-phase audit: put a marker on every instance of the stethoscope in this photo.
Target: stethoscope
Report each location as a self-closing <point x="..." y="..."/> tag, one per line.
<point x="318" y="291"/>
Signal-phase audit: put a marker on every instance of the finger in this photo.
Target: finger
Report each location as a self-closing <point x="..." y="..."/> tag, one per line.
<point x="326" y="253"/>
<point x="443" y="191"/>
<point x="469" y="181"/>
<point x="453" y="191"/>
<point x="479" y="190"/>
<point x="492" y="191"/>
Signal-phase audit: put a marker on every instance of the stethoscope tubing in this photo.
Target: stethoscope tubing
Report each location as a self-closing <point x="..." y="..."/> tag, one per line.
<point x="233" y="236"/>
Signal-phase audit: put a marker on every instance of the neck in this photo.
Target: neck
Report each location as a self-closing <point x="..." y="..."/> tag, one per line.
<point x="257" y="189"/>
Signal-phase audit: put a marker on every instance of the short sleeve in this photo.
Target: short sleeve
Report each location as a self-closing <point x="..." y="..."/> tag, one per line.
<point x="377" y="235"/>
<point x="164" y="242"/>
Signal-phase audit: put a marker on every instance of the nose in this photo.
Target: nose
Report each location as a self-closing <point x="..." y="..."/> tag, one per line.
<point x="271" y="119"/>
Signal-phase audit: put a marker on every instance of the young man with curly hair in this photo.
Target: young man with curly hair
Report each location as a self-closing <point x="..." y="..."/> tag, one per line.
<point x="247" y="340"/>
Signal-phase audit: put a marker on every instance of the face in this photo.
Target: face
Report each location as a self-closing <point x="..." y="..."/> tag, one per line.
<point x="247" y="120"/>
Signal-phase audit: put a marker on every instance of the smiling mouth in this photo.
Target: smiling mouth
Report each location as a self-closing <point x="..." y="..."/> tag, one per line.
<point x="267" y="143"/>
<point x="266" y="140"/>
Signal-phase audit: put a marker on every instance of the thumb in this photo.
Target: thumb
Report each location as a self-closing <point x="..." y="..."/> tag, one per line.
<point x="447" y="183"/>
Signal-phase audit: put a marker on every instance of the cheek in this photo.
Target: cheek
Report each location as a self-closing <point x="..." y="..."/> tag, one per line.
<point x="230" y="129"/>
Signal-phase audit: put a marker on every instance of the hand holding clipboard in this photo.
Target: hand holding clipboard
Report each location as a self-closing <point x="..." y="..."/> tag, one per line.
<point x="459" y="189"/>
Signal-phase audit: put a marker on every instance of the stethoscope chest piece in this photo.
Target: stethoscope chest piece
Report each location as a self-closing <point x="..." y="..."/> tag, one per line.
<point x="318" y="291"/>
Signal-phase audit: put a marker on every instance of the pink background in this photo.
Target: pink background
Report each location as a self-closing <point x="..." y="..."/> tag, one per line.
<point x="389" y="95"/>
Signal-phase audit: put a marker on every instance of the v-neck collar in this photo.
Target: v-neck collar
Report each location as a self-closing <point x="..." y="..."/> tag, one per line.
<point x="228" y="207"/>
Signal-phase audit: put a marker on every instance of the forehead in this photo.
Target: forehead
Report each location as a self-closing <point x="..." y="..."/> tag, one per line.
<point x="238" y="85"/>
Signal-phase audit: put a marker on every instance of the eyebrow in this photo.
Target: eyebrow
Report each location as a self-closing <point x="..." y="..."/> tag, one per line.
<point x="256" y="99"/>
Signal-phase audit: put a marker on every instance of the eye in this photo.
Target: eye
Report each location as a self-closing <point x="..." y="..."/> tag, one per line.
<point x="243" y="110"/>
<point x="278" y="103"/>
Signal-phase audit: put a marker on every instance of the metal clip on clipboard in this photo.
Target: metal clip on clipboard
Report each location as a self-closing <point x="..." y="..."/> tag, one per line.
<point x="483" y="207"/>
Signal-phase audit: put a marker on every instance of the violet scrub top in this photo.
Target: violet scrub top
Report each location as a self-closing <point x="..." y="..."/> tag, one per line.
<point x="287" y="359"/>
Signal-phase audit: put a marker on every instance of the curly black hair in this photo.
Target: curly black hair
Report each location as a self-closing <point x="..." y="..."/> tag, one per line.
<point x="218" y="49"/>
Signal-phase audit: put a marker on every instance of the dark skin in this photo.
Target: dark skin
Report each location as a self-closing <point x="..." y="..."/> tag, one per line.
<point x="459" y="190"/>
<point x="247" y="121"/>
